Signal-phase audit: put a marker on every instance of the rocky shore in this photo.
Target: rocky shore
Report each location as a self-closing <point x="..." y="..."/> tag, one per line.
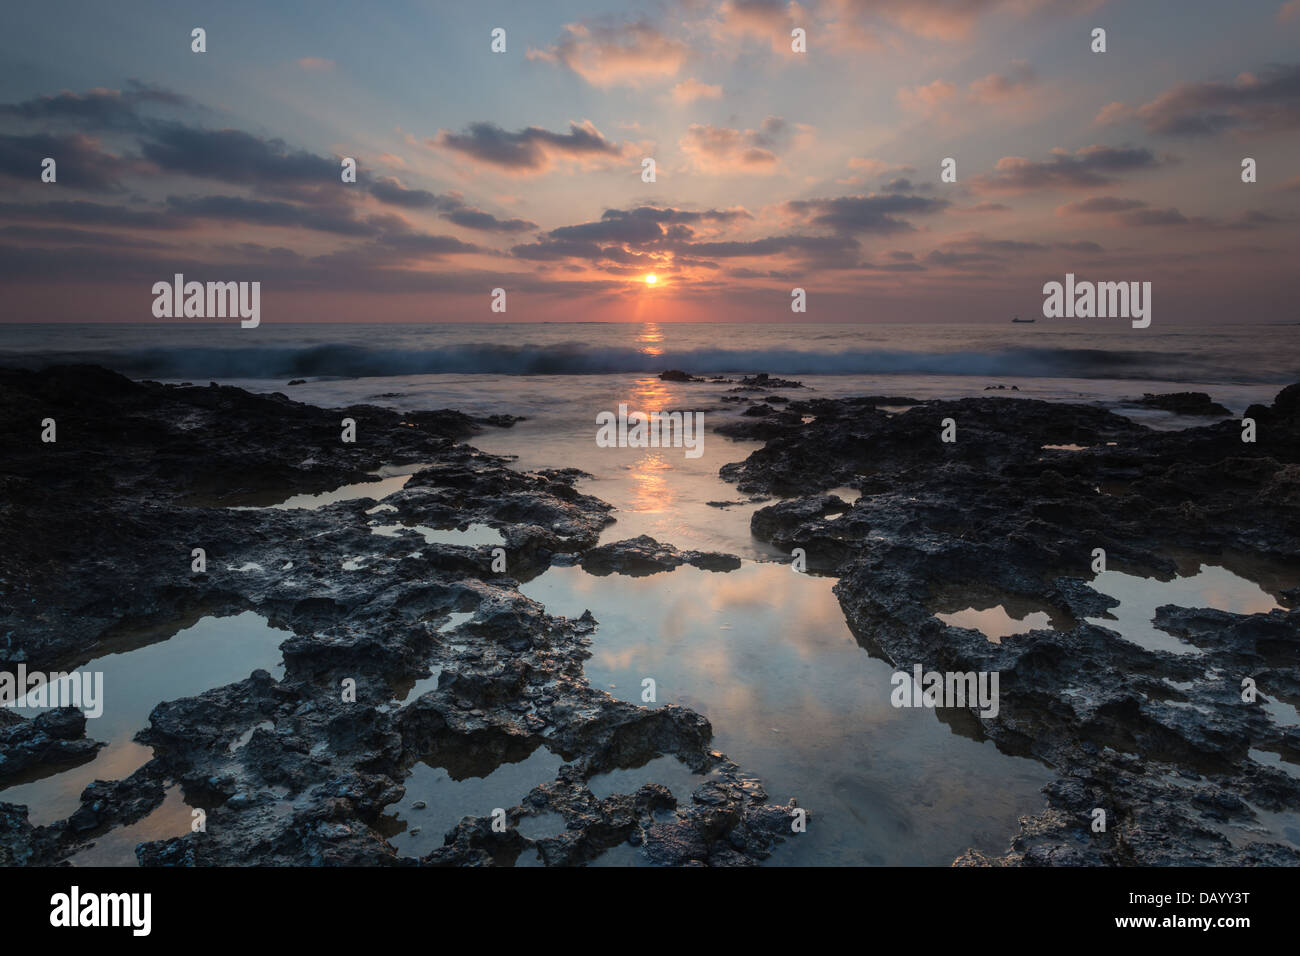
<point x="1164" y="743"/>
<point x="98" y="531"/>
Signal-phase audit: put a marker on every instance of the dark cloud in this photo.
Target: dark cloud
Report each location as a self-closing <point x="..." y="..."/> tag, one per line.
<point x="859" y="214"/>
<point x="478" y="219"/>
<point x="548" y="250"/>
<point x="670" y="215"/>
<point x="632" y="229"/>
<point x="63" y="235"/>
<point x="425" y="243"/>
<point x="721" y="148"/>
<point x="97" y="109"/>
<point x="80" y="161"/>
<point x="893" y="267"/>
<point x="340" y="221"/>
<point x="233" y="156"/>
<point x="1267" y="101"/>
<point x="530" y="149"/>
<point x="1098" y="204"/>
<point x="389" y="190"/>
<point x="983" y="208"/>
<point x="80" y="212"/>
<point x="962" y="260"/>
<point x="1088" y="166"/>
<point x="804" y="246"/>
<point x="978" y="252"/>
<point x="1153" y="217"/>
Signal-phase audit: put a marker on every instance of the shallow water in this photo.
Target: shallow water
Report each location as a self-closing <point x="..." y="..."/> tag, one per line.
<point x="1210" y="586"/>
<point x="766" y="655"/>
<point x="171" y="818"/>
<point x="212" y="652"/>
<point x="995" y="623"/>
<point x="473" y="536"/>
<point x="417" y="831"/>
<point x="390" y="479"/>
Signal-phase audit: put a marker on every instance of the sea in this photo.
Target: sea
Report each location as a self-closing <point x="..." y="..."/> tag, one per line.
<point x="763" y="652"/>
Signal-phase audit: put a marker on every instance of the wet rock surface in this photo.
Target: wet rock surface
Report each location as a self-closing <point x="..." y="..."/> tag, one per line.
<point x="1164" y="743"/>
<point x="98" y="530"/>
<point x="644" y="555"/>
<point x="50" y="738"/>
<point x="1183" y="403"/>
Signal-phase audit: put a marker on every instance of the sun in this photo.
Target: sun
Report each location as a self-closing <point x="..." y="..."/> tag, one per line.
<point x="651" y="279"/>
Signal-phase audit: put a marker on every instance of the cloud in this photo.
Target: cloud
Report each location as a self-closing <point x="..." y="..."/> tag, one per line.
<point x="1098" y="204"/>
<point x="471" y="218"/>
<point x="948" y="20"/>
<point x="260" y="212"/>
<point x="315" y="64"/>
<point x="982" y="208"/>
<point x="688" y="91"/>
<point x="938" y="98"/>
<point x="642" y="227"/>
<point x="981" y="254"/>
<point x="996" y="87"/>
<point x="864" y="214"/>
<point x="390" y="190"/>
<point x="830" y="248"/>
<point x="81" y="212"/>
<point x="616" y="54"/>
<point x="80" y="162"/>
<point x="720" y="148"/>
<point x="770" y="20"/>
<point x="65" y="237"/>
<point x="1267" y="101"/>
<point x="870" y="168"/>
<point x="627" y="229"/>
<point x="670" y="215"/>
<point x="98" y="108"/>
<point x="662" y="237"/>
<point x="530" y="150"/>
<point x="1085" y="167"/>
<point x="233" y="156"/>
<point x="1153" y="217"/>
<point x="928" y="98"/>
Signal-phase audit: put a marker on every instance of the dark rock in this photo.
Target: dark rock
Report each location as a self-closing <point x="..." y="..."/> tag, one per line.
<point x="98" y="531"/>
<point x="993" y="512"/>
<point x="1183" y="403"/>
<point x="644" y="555"/>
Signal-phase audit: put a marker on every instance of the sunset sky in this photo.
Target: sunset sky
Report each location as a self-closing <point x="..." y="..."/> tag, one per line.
<point x="775" y="169"/>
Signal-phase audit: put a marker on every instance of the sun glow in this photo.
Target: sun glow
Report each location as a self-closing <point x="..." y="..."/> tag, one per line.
<point x="651" y="279"/>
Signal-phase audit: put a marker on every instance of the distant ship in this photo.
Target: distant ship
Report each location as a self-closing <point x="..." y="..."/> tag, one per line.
<point x="1019" y="319"/>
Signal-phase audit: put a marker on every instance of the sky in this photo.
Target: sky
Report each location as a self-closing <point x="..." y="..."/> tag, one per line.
<point x="774" y="169"/>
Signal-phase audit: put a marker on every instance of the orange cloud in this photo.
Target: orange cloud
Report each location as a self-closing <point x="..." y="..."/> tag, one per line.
<point x="688" y="91"/>
<point x="616" y="55"/>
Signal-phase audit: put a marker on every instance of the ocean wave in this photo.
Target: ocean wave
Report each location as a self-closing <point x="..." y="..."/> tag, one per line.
<point x="354" y="361"/>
